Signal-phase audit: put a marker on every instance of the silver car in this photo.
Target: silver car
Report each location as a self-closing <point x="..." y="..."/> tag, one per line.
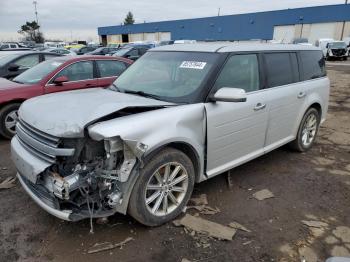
<point x="180" y="115"/>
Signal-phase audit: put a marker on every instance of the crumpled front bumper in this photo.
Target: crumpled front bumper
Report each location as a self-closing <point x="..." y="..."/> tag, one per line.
<point x="43" y="199"/>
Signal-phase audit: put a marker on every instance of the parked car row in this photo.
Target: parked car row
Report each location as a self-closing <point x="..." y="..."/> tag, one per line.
<point x="178" y="116"/>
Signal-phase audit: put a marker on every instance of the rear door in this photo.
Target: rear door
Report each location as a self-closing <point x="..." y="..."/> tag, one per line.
<point x="108" y="71"/>
<point x="236" y="130"/>
<point x="286" y="97"/>
<point x="80" y="75"/>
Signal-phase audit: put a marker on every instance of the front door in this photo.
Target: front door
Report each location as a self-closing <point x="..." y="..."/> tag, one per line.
<point x="236" y="130"/>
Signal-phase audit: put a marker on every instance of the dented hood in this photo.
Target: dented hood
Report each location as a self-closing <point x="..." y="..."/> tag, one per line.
<point x="66" y="114"/>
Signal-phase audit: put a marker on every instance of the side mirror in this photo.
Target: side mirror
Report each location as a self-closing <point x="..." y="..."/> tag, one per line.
<point x="134" y="58"/>
<point x="230" y="94"/>
<point x="60" y="80"/>
<point x="13" y="67"/>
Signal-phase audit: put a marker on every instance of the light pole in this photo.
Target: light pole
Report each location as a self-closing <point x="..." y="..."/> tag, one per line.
<point x="36" y="11"/>
<point x="343" y="28"/>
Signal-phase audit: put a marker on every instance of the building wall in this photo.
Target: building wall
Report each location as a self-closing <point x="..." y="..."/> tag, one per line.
<point x="236" y="27"/>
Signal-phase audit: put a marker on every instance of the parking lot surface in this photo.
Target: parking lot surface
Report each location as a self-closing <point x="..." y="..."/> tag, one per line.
<point x="312" y="186"/>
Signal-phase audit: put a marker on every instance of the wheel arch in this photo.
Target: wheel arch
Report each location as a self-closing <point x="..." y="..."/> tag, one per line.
<point x="15" y="101"/>
<point x="317" y="106"/>
<point x="185" y="148"/>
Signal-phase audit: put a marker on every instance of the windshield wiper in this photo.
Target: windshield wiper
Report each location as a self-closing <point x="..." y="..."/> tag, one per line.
<point x="141" y="93"/>
<point x="17" y="81"/>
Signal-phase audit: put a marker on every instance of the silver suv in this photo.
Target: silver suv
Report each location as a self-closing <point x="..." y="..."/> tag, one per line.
<point x="180" y="115"/>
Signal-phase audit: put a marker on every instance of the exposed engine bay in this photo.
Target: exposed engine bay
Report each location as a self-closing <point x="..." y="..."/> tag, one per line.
<point x="90" y="183"/>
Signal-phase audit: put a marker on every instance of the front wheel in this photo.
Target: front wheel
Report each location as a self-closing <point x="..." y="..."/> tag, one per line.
<point x="163" y="188"/>
<point x="307" y="131"/>
<point x="8" y="120"/>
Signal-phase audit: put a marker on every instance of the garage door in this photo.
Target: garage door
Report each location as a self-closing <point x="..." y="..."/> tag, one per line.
<point x="284" y="33"/>
<point x="135" y="37"/>
<point x="321" y="30"/>
<point x="164" y="36"/>
<point x="150" y="37"/>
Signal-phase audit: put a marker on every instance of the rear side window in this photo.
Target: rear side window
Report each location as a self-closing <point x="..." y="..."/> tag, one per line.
<point x="313" y="64"/>
<point x="110" y="68"/>
<point x="281" y="69"/>
<point x="27" y="61"/>
<point x="240" y="71"/>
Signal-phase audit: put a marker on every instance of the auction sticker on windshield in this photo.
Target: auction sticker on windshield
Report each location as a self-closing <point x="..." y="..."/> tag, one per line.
<point x="193" y="65"/>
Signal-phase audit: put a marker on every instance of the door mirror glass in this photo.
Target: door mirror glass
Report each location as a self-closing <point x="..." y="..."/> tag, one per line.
<point x="134" y="58"/>
<point x="13" y="67"/>
<point x="60" y="80"/>
<point x="229" y="94"/>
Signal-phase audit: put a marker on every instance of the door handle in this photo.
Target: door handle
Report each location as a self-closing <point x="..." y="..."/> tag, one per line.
<point x="88" y="85"/>
<point x="301" y="94"/>
<point x="259" y="106"/>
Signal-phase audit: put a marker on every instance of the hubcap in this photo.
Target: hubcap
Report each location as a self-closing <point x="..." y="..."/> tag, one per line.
<point x="166" y="189"/>
<point x="309" y="130"/>
<point x="10" y="121"/>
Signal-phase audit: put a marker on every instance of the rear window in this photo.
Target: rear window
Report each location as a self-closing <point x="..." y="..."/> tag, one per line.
<point x="281" y="68"/>
<point x="313" y="64"/>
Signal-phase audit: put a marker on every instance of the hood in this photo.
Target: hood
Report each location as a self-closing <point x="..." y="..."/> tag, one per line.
<point x="7" y="84"/>
<point x="66" y="114"/>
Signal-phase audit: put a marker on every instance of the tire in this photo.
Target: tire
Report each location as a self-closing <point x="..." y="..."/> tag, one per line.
<point x="149" y="214"/>
<point x="8" y="113"/>
<point x="303" y="141"/>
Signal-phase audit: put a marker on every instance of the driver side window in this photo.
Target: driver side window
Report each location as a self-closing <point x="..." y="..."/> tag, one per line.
<point x="78" y="71"/>
<point x="240" y="71"/>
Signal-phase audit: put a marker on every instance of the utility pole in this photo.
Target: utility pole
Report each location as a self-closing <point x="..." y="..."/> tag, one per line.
<point x="343" y="28"/>
<point x="36" y="11"/>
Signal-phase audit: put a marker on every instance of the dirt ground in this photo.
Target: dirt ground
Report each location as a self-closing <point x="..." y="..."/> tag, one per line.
<point x="310" y="186"/>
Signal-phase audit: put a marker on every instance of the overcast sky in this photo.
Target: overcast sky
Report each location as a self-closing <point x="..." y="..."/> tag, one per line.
<point x="79" y="19"/>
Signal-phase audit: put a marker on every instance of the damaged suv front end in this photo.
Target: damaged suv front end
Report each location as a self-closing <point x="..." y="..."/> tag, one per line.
<point x="79" y="153"/>
<point x="74" y="178"/>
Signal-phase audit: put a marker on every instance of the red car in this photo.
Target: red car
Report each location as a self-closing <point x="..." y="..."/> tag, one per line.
<point x="55" y="75"/>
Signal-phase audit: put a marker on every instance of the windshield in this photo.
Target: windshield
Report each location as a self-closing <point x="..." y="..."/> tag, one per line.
<point x="122" y="51"/>
<point x="38" y="72"/>
<point x="170" y="76"/>
<point x="4" y="59"/>
<point x="337" y="45"/>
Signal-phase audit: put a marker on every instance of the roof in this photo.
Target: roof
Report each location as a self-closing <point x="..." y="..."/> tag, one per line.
<point x="223" y="47"/>
<point x="246" y="26"/>
<point x="91" y="57"/>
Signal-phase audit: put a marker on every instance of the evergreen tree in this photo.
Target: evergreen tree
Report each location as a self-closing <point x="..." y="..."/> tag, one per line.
<point x="129" y="19"/>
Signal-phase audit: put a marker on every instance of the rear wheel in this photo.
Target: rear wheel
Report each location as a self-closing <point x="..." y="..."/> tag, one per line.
<point x="307" y="131"/>
<point x="8" y="120"/>
<point x="163" y="188"/>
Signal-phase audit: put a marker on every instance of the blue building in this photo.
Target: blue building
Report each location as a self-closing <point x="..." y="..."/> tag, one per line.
<point x="331" y="21"/>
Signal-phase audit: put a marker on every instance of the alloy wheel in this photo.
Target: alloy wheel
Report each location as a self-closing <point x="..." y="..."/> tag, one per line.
<point x="309" y="130"/>
<point x="166" y="189"/>
<point x="11" y="120"/>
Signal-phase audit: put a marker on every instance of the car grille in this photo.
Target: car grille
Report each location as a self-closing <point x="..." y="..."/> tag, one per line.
<point x="40" y="144"/>
<point x="338" y="52"/>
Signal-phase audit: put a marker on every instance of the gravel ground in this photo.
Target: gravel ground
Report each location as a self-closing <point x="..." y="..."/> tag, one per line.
<point x="313" y="186"/>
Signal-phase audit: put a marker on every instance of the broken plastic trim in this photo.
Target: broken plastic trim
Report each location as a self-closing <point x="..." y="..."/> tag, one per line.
<point x="132" y="151"/>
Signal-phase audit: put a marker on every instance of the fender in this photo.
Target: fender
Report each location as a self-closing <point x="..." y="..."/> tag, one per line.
<point x="154" y="129"/>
